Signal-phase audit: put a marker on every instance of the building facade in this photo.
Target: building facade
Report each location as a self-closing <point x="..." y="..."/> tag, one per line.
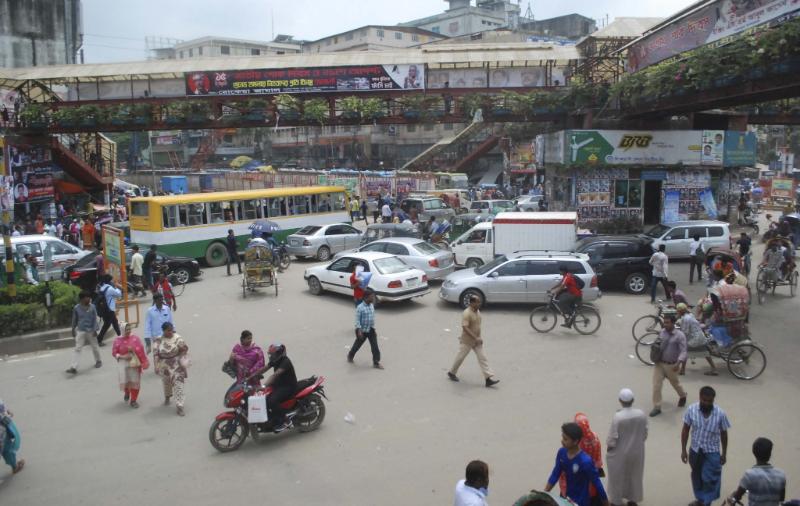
<point x="40" y="32"/>
<point x="462" y="18"/>
<point x="210" y="46"/>
<point x="374" y="38"/>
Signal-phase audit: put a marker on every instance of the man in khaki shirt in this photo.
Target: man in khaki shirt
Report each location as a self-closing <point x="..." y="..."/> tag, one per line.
<point x="471" y="341"/>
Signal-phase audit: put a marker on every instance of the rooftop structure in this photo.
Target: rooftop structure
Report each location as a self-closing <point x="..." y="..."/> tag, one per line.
<point x="373" y="38"/>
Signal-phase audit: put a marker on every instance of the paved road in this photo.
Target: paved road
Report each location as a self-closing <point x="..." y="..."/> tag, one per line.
<point x="414" y="430"/>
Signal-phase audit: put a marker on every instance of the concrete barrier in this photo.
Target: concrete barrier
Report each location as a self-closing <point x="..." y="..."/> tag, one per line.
<point x="40" y="341"/>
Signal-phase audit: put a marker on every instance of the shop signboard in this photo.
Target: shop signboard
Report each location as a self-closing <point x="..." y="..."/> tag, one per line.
<point x="672" y="200"/>
<point x="631" y="147"/>
<point x="713" y="147"/>
<point x="305" y="80"/>
<point x="781" y="188"/>
<point x="740" y="149"/>
<point x="114" y="256"/>
<point x="716" y="22"/>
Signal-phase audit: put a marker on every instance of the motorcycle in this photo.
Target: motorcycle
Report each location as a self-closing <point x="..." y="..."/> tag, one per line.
<point x="282" y="257"/>
<point x="305" y="410"/>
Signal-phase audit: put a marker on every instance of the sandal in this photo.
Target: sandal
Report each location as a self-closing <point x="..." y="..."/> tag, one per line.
<point x="711" y="373"/>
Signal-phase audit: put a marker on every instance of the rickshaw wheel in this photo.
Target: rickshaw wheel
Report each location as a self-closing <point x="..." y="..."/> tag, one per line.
<point x="793" y="283"/>
<point x="645" y="324"/>
<point x="643" y="347"/>
<point x="761" y="286"/>
<point x="244" y="288"/>
<point x="746" y="361"/>
<point x="276" y="286"/>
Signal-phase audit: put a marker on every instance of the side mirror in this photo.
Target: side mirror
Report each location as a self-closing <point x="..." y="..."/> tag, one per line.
<point x="495" y="274"/>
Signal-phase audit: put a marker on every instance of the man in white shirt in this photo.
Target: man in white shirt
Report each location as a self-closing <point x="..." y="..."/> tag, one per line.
<point x="696" y="259"/>
<point x="473" y="490"/>
<point x="386" y="213"/>
<point x="660" y="263"/>
<point x="137" y="263"/>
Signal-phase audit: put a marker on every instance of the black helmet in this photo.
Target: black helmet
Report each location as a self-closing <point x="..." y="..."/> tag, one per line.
<point x="276" y="350"/>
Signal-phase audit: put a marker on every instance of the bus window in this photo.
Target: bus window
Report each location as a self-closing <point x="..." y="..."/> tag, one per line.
<point x="299" y="204"/>
<point x="324" y="202"/>
<point x="339" y="202"/>
<point x="170" y="214"/>
<point x="217" y="212"/>
<point x="277" y="207"/>
<point x="248" y="210"/>
<point x="192" y="214"/>
<point x="236" y="206"/>
<point x="314" y="199"/>
<point x="140" y="209"/>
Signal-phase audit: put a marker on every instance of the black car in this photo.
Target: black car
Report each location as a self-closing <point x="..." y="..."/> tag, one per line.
<point x="84" y="272"/>
<point x="619" y="261"/>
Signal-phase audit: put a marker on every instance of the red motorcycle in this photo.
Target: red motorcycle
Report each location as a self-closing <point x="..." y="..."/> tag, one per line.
<point x="230" y="429"/>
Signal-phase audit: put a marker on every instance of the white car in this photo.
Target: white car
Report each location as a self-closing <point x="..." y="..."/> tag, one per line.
<point x="436" y="263"/>
<point x="392" y="279"/>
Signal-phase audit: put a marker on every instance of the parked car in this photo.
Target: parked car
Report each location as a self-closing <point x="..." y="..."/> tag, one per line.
<point x="378" y="231"/>
<point x="619" y="261"/>
<point x="528" y="202"/>
<point x="63" y="253"/>
<point x="436" y="263"/>
<point x="392" y="279"/>
<point x="84" y="272"/>
<point x="492" y="206"/>
<point x="323" y="241"/>
<point x="518" y="277"/>
<point x="427" y="207"/>
<point x="677" y="236"/>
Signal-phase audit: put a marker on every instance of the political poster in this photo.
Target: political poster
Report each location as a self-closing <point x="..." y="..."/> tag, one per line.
<point x="31" y="171"/>
<point x="707" y="200"/>
<point x="453" y="78"/>
<point x="672" y="199"/>
<point x="715" y="22"/>
<point x="305" y="80"/>
<point x="713" y="142"/>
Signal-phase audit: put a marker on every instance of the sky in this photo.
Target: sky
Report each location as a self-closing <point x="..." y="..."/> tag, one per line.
<point x="115" y="29"/>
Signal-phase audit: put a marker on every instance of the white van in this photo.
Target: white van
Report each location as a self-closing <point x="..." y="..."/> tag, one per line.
<point x="511" y="232"/>
<point x="63" y="254"/>
<point x="677" y="236"/>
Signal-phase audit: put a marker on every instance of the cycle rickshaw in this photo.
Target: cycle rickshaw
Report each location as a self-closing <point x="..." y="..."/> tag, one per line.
<point x="769" y="278"/>
<point x="259" y="269"/>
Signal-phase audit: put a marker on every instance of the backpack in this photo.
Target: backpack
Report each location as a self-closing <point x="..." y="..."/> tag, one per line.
<point x="656" y="350"/>
<point x="101" y="303"/>
<point x="578" y="281"/>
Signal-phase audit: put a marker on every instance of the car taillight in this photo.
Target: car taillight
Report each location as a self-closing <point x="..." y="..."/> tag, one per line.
<point x="593" y="284"/>
<point x="424" y="278"/>
<point x="433" y="262"/>
<point x="74" y="275"/>
<point x="306" y="242"/>
<point x="395" y="284"/>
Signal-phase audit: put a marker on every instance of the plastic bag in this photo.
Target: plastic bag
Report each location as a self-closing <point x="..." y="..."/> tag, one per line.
<point x="257" y="409"/>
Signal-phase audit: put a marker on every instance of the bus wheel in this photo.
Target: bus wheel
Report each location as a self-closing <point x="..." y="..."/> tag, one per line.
<point x="216" y="254"/>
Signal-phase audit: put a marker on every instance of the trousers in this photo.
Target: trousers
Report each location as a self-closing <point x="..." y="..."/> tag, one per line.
<point x="274" y="400"/>
<point x="654" y="283"/>
<point x="233" y="257"/>
<point x="108" y="321"/>
<point x="174" y="387"/>
<point x="464" y="350"/>
<point x="706" y="475"/>
<point x="373" y="344"/>
<point x="661" y="371"/>
<point x="82" y="339"/>
<point x="696" y="264"/>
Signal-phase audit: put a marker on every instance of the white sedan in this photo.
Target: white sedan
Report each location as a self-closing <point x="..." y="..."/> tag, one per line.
<point x="392" y="279"/>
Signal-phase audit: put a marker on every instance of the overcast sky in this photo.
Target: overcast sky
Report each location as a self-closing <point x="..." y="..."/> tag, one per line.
<point x="115" y="29"/>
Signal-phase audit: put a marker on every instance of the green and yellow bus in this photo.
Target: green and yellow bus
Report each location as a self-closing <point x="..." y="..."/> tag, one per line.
<point x="195" y="225"/>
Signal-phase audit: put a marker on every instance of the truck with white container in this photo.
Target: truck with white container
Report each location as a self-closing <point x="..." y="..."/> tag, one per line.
<point x="510" y="232"/>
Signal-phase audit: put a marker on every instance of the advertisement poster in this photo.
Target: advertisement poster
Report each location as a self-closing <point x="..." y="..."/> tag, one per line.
<point x="452" y="78"/>
<point x="626" y="147"/>
<point x="550" y="148"/>
<point x="740" y="149"/>
<point x="305" y="80"/>
<point x="6" y="182"/>
<point x="713" y="142"/>
<point x="781" y="188"/>
<point x="672" y="206"/>
<point x="717" y="21"/>
<point x="32" y="172"/>
<point x="707" y="200"/>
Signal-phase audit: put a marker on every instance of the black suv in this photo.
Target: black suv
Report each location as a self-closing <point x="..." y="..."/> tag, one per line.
<point x="619" y="261"/>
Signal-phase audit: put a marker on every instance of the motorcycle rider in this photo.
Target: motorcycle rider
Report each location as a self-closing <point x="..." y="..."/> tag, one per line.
<point x="283" y="382"/>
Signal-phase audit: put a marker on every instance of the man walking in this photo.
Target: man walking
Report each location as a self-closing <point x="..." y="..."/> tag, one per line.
<point x="625" y="452"/>
<point x="147" y="267"/>
<point x="472" y="490"/>
<point x="709" y="426"/>
<point x="660" y="263"/>
<point x="764" y="484"/>
<point x="364" y="210"/>
<point x="157" y="315"/>
<point x="110" y="292"/>
<point x="578" y="468"/>
<point x="84" y="330"/>
<point x="471" y="341"/>
<point x="233" y="254"/>
<point x="365" y="329"/>
<point x="354" y="207"/>
<point x="673" y="352"/>
<point x="386" y="213"/>
<point x="697" y="258"/>
<point x="137" y="261"/>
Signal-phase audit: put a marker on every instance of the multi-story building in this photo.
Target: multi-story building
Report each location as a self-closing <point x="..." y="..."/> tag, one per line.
<point x="571" y="26"/>
<point x="40" y="32"/>
<point x="373" y="38"/>
<point x="224" y="46"/>
<point x="463" y="18"/>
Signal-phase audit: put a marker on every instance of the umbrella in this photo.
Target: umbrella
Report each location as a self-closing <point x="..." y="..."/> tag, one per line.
<point x="264" y="226"/>
<point x="237" y="162"/>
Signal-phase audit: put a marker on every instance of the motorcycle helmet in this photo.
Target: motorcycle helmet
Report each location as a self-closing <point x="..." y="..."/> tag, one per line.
<point x="276" y="351"/>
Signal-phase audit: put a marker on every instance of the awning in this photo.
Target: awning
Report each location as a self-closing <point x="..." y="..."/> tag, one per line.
<point x="69" y="188"/>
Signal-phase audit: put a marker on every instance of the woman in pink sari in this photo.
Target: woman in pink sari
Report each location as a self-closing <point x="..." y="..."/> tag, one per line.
<point x="247" y="357"/>
<point x="131" y="360"/>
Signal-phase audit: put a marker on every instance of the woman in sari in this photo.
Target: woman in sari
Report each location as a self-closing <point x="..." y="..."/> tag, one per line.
<point x="590" y="445"/>
<point x="171" y="359"/>
<point x="9" y="440"/>
<point x="131" y="361"/>
<point x="248" y="358"/>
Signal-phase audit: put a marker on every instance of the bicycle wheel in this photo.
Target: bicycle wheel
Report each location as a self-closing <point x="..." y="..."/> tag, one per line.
<point x="645" y="324"/>
<point x="746" y="361"/>
<point x="543" y="319"/>
<point x="587" y="320"/>
<point x="643" y="347"/>
<point x="177" y="286"/>
<point x="762" y="285"/>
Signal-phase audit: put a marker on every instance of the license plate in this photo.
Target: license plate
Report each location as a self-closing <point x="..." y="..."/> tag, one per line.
<point x="294" y="242"/>
<point x="412" y="281"/>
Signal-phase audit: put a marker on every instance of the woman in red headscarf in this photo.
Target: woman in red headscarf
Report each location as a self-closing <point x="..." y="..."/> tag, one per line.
<point x="590" y="444"/>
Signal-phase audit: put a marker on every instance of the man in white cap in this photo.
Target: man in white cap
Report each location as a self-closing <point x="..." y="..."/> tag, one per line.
<point x="625" y="452"/>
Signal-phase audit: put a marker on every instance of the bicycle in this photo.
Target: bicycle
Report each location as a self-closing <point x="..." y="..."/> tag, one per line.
<point x="176" y="279"/>
<point x="585" y="319"/>
<point x="650" y="323"/>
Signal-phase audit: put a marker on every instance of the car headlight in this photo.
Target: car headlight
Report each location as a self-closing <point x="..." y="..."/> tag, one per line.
<point x="448" y="284"/>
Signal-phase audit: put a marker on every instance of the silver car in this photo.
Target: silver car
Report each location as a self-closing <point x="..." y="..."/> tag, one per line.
<point x="528" y="202"/>
<point x="436" y="263"/>
<point x="46" y="248"/>
<point x="323" y="241"/>
<point x="523" y="278"/>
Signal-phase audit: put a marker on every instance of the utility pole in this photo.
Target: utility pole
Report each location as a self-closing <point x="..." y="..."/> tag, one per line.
<point x="7" y="198"/>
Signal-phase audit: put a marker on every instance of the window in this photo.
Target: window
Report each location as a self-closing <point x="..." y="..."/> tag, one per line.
<point x="308" y="230"/>
<point x="191" y="53"/>
<point x="220" y="212"/>
<point x="60" y="248"/>
<point x="477" y="237"/>
<point x="334" y="230"/>
<point x="347" y="229"/>
<point x="432" y="204"/>
<point x="328" y="42"/>
<point x="375" y="246"/>
<point x="448" y="126"/>
<point x="277" y="207"/>
<point x="627" y="193"/>
<point x="299" y="204"/>
<point x="255" y="52"/>
<point x="398" y="35"/>
<point x="236" y="211"/>
<point x="518" y="268"/>
<point x="249" y="210"/>
<point x="339" y="202"/>
<point x="574" y="267"/>
<point x="364" y="32"/>
<point x="284" y="52"/>
<point x="428" y="127"/>
<point x="391" y="265"/>
<point x="348" y="36"/>
<point x="426" y="248"/>
<point x="170" y="216"/>
<point x="701" y="231"/>
<point x="200" y="51"/>
<point x="676" y="233"/>
<point x="411" y="128"/>
<point x="181" y="53"/>
<point x="595" y="252"/>
<point x="396" y="249"/>
<point x="543" y="268"/>
<point x="341" y="265"/>
<point x="436" y="29"/>
<point x="715" y="232"/>
<point x="336" y="40"/>
<point x="379" y="33"/>
<point x="619" y="250"/>
<point x="225" y="49"/>
<point x="140" y="209"/>
<point x="415" y="37"/>
<point x="192" y="214"/>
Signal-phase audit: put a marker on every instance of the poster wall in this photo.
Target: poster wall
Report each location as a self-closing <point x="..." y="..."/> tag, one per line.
<point x="305" y="80"/>
<point x="707" y="199"/>
<point x="452" y="78"/>
<point x="715" y="22"/>
<point x="713" y="142"/>
<point x="672" y="200"/>
<point x="31" y="170"/>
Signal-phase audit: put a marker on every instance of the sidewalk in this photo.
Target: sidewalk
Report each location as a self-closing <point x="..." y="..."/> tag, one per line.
<point x="52" y="339"/>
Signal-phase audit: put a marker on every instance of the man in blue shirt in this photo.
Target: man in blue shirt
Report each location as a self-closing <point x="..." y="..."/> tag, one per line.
<point x="365" y="329"/>
<point x="578" y="468"/>
<point x="157" y="315"/>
